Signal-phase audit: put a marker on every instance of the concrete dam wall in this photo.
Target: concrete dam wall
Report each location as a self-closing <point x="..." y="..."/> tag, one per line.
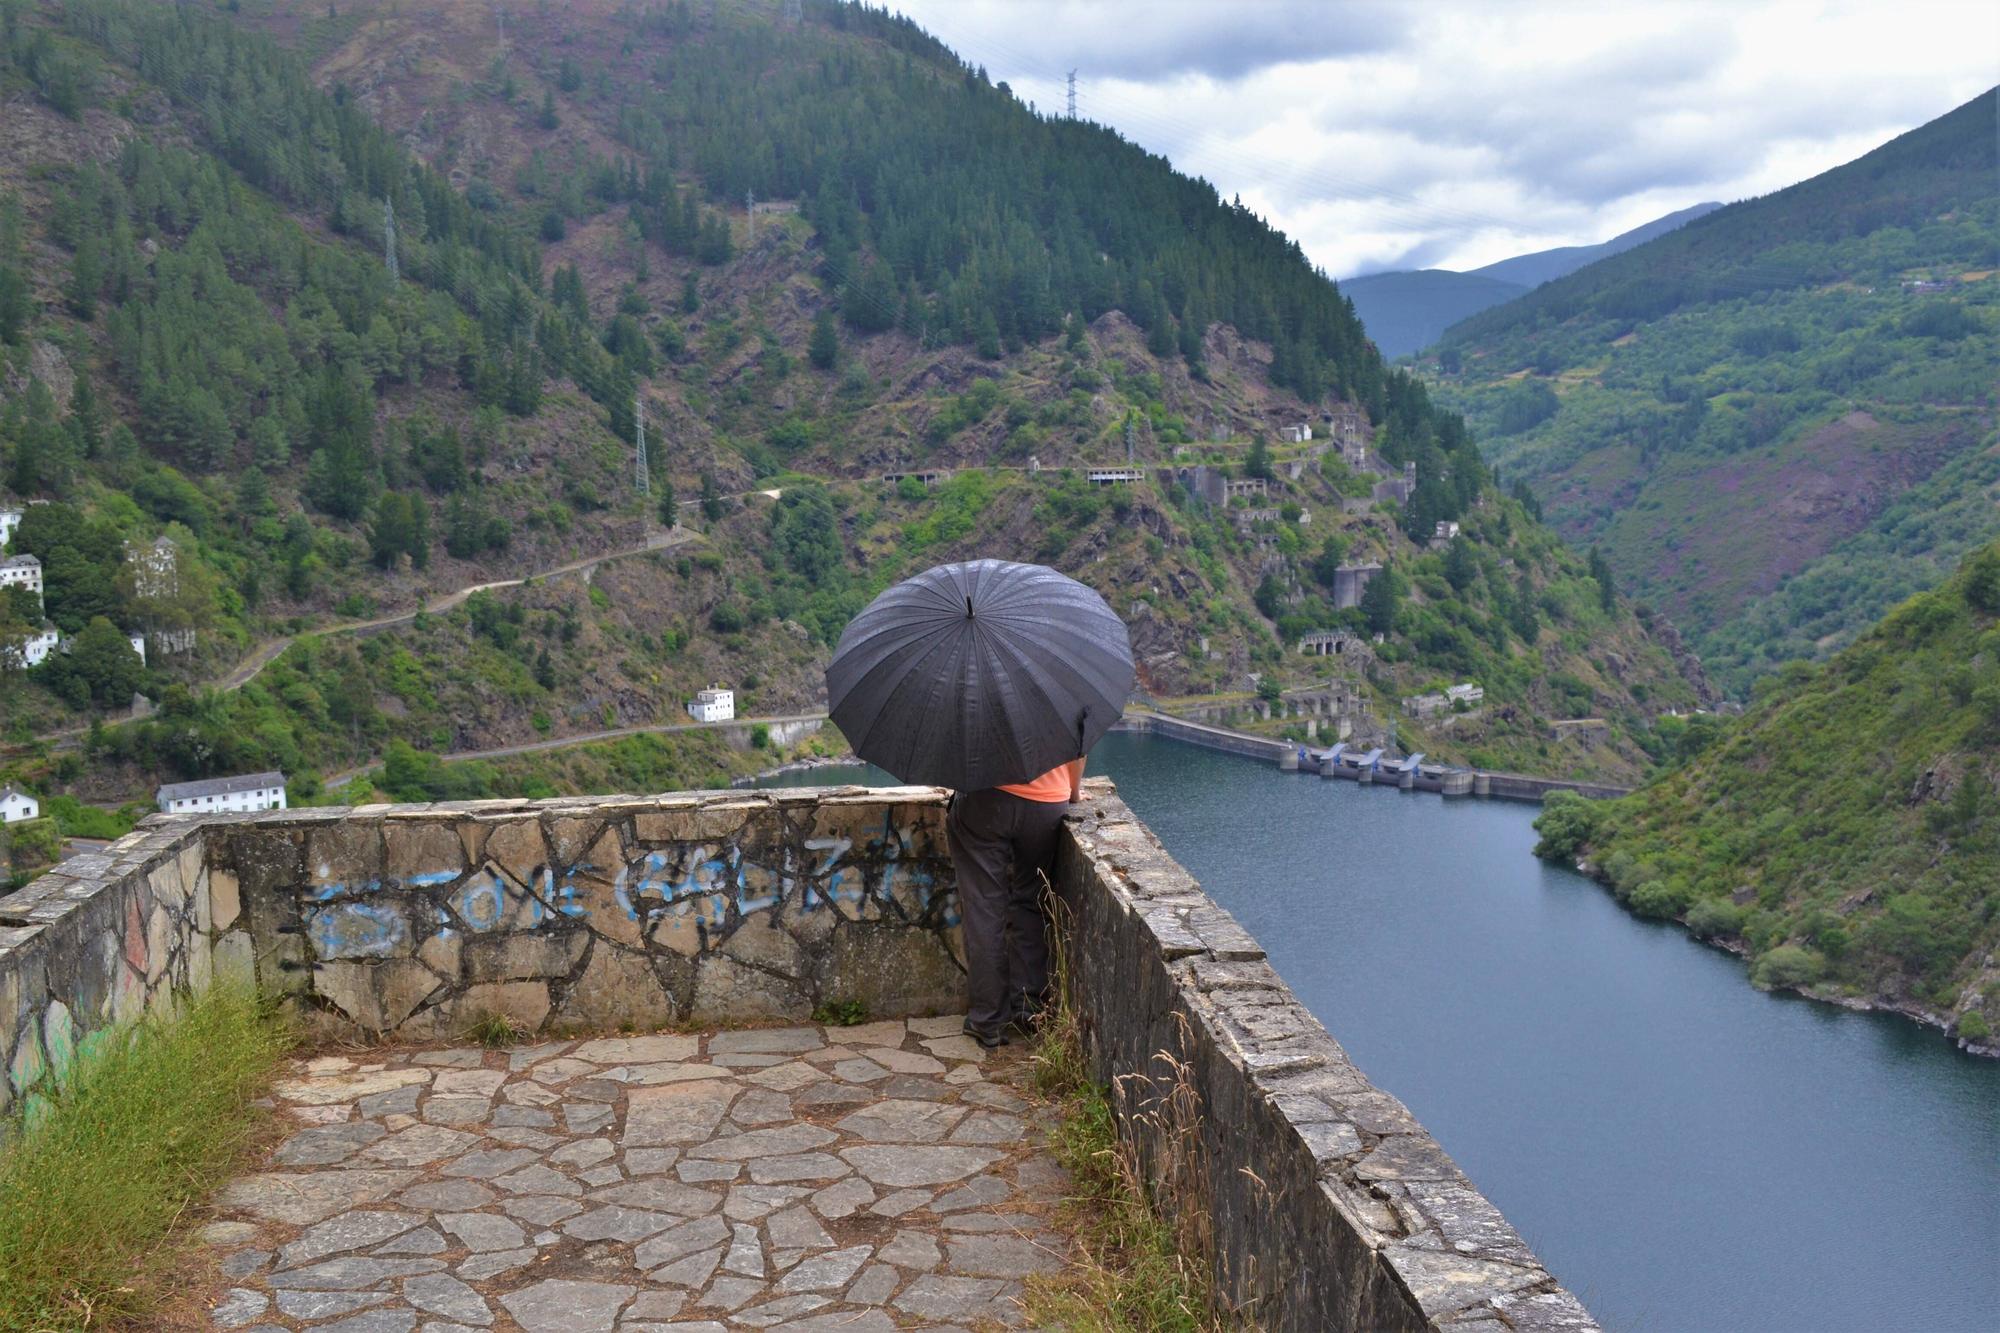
<point x="1323" y="1204"/>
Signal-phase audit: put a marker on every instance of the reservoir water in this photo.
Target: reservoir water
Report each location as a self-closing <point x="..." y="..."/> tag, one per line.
<point x="1684" y="1152"/>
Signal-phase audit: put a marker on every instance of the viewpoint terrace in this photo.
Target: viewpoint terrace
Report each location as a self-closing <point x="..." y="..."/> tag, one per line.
<point x="745" y="1169"/>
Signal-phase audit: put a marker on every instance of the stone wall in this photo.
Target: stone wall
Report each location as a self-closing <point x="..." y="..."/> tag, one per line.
<point x="103" y="938"/>
<point x="418" y="920"/>
<point x="1327" y="1205"/>
<point x="617" y="912"/>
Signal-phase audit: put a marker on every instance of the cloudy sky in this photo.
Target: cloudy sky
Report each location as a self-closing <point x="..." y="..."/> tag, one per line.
<point x="1451" y="133"/>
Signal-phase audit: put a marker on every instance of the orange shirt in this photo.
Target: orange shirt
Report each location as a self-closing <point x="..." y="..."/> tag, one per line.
<point x="1050" y="786"/>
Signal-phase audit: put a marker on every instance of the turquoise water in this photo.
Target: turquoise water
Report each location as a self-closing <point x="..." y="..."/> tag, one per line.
<point x="1684" y="1152"/>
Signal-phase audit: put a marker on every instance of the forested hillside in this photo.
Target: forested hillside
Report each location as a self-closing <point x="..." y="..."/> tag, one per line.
<point x="1844" y="834"/>
<point x="1778" y="420"/>
<point x="355" y="307"/>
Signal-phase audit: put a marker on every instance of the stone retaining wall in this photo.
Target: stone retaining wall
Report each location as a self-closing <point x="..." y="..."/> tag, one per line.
<point x="101" y="939"/>
<point x="1328" y="1205"/>
<point x="418" y="920"/>
<point x="626" y="912"/>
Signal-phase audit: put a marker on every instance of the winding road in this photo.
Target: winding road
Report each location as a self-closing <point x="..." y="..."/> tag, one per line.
<point x="341" y="779"/>
<point x="268" y="652"/>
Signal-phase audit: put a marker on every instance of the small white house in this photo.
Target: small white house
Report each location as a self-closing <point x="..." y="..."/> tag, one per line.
<point x="245" y="791"/>
<point x="16" y="805"/>
<point x="138" y="642"/>
<point x="9" y="520"/>
<point x="33" y="650"/>
<point x="22" y="571"/>
<point x="1467" y="694"/>
<point x="1298" y="434"/>
<point x="1445" y="531"/>
<point x="716" y="705"/>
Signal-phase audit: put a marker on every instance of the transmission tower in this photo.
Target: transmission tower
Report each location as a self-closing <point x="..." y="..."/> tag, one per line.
<point x="500" y="12"/>
<point x="641" y="476"/>
<point x="750" y="215"/>
<point x="1072" y="94"/>
<point x="1131" y="434"/>
<point x="794" y="11"/>
<point x="389" y="241"/>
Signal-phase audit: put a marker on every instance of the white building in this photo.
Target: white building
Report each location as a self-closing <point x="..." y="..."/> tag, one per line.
<point x="1113" y="476"/>
<point x="246" y="791"/>
<point x="138" y="642"/>
<point x="9" y="520"/>
<point x="717" y="705"/>
<point x="22" y="571"/>
<point x="1445" y="531"/>
<point x="33" y="650"/>
<point x="1298" y="434"/>
<point x="1467" y="694"/>
<point x="16" y="805"/>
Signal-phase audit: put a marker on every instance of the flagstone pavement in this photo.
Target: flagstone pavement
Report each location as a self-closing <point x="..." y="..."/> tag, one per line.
<point x="884" y="1176"/>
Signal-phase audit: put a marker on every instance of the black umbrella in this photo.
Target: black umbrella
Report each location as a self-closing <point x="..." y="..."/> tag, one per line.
<point x="975" y="674"/>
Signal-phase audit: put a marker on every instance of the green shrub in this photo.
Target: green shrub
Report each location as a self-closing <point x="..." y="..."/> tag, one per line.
<point x="132" y="1135"/>
<point x="1567" y="825"/>
<point x="1712" y="918"/>
<point x="1973" y="1027"/>
<point x="1660" y="897"/>
<point x="1787" y="965"/>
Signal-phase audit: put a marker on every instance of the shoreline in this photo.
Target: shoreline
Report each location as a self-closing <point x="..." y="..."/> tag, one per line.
<point x="1860" y="1004"/>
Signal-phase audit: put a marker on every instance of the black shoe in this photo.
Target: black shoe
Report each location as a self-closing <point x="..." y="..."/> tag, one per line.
<point x="988" y="1040"/>
<point x="1027" y="1018"/>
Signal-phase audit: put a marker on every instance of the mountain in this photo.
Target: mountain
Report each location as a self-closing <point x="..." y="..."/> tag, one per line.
<point x="358" y="308"/>
<point x="1777" y="421"/>
<point x="1844" y="834"/>
<point x="1547" y="265"/>
<point x="1408" y="310"/>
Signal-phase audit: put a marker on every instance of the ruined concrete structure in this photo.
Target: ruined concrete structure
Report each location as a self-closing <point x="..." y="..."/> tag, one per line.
<point x="1328" y="1206"/>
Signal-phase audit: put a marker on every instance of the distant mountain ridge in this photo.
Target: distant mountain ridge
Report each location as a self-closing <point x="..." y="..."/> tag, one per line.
<point x="1408" y="310"/>
<point x="1533" y="270"/>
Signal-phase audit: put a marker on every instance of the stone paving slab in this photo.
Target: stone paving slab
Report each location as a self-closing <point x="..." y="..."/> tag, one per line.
<point x="884" y="1176"/>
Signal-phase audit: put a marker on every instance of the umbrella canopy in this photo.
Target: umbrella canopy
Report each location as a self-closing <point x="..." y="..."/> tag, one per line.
<point x="976" y="674"/>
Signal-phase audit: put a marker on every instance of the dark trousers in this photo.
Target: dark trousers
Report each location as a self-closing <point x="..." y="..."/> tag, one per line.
<point x="1002" y="846"/>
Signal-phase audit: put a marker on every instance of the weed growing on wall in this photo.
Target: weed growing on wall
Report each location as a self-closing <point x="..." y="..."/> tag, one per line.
<point x="1133" y="1271"/>
<point x="95" y="1175"/>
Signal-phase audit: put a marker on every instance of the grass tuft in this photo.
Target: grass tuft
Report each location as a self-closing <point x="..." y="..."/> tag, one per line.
<point x="94" y="1178"/>
<point x="1133" y="1272"/>
<point x="494" y="1031"/>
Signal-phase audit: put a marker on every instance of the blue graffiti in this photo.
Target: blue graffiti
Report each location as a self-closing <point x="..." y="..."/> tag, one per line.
<point x="482" y="902"/>
<point x="357" y="930"/>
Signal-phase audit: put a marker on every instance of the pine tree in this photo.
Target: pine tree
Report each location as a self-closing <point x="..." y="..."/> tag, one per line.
<point x="670" y="507"/>
<point x="1380" y="599"/>
<point x="824" y="346"/>
<point x="1461" y="567"/>
<point x="1600" y="569"/>
<point x="711" y="497"/>
<point x="1257" y="460"/>
<point x="548" y="118"/>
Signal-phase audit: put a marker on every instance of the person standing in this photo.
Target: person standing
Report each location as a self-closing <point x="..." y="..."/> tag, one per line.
<point x="1003" y="846"/>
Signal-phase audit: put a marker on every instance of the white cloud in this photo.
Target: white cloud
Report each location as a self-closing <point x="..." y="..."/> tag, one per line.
<point x="1458" y="132"/>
